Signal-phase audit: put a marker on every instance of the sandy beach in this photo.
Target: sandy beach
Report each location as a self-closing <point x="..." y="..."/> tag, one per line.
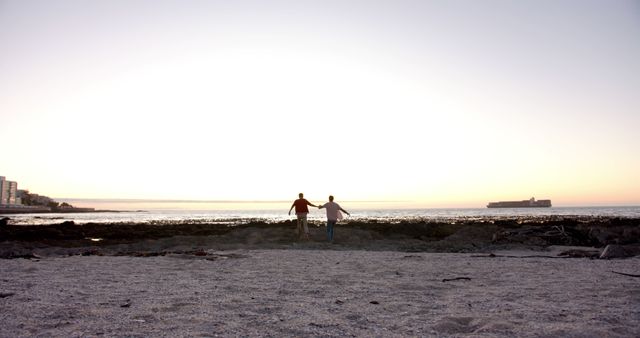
<point x="486" y="278"/>
<point x="330" y="293"/>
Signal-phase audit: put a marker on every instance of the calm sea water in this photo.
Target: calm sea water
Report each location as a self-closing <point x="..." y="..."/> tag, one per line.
<point x="392" y="215"/>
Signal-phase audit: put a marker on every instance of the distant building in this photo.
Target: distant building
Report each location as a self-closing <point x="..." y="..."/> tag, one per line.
<point x="4" y="190"/>
<point x="13" y="192"/>
<point x="4" y="196"/>
<point x="8" y="192"/>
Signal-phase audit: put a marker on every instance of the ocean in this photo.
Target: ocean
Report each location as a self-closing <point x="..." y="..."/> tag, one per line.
<point x="277" y="215"/>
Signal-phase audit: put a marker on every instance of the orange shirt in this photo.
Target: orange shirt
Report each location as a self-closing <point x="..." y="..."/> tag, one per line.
<point x="301" y="205"/>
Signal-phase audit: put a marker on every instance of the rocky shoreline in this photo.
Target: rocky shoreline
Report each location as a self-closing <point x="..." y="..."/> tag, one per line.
<point x="622" y="235"/>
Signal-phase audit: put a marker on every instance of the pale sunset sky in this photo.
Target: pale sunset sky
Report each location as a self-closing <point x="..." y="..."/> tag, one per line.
<point x="417" y="103"/>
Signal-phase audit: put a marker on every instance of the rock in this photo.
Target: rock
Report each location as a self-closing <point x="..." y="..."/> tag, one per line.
<point x="92" y="252"/>
<point x="4" y="221"/>
<point x="200" y="253"/>
<point x="604" y="235"/>
<point x="620" y="251"/>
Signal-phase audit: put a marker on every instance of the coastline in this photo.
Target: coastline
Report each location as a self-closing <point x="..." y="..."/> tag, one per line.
<point x="483" y="235"/>
<point x="46" y="210"/>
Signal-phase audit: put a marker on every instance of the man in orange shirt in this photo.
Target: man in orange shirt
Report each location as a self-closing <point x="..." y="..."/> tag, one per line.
<point x="301" y="212"/>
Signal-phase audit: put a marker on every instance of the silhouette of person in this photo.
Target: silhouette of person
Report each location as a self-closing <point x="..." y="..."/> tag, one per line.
<point x="301" y="212"/>
<point x="333" y="215"/>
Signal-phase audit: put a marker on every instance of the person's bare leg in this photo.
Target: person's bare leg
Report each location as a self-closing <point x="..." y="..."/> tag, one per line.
<point x="300" y="220"/>
<point x="305" y="228"/>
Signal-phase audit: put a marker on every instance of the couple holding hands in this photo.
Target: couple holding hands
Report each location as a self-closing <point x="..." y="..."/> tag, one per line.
<point x="333" y="215"/>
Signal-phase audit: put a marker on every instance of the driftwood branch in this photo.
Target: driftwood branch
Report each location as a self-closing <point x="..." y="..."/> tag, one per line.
<point x="457" y="278"/>
<point x="508" y="256"/>
<point x="625" y="274"/>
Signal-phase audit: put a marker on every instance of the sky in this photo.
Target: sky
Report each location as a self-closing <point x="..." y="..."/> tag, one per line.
<point x="412" y="103"/>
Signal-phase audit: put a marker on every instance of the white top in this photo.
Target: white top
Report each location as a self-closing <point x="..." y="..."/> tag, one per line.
<point x="333" y="211"/>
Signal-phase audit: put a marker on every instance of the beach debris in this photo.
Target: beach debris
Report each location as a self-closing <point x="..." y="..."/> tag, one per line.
<point x="188" y="254"/>
<point x="339" y="302"/>
<point x="551" y="233"/>
<point x="4" y="221"/>
<point x="620" y="251"/>
<point x="6" y="294"/>
<point x="513" y="256"/>
<point x="374" y="302"/>
<point x="625" y="274"/>
<point x="610" y="251"/>
<point x="13" y="255"/>
<point x="456" y="278"/>
<point x="126" y="304"/>
<point x="580" y="253"/>
<point x="613" y="251"/>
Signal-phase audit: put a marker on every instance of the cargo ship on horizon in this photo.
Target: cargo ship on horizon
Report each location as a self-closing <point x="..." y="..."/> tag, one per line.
<point x="531" y="203"/>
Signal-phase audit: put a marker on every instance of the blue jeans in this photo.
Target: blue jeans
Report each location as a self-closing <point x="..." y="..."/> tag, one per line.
<point x="330" y="225"/>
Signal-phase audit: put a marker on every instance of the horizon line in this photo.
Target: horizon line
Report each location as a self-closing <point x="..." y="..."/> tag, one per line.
<point x="180" y="201"/>
<point x="143" y="200"/>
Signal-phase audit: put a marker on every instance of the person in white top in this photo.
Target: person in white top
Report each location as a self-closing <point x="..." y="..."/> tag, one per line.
<point x="333" y="215"/>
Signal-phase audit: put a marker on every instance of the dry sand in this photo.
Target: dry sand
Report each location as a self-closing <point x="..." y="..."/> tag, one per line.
<point x="319" y="293"/>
